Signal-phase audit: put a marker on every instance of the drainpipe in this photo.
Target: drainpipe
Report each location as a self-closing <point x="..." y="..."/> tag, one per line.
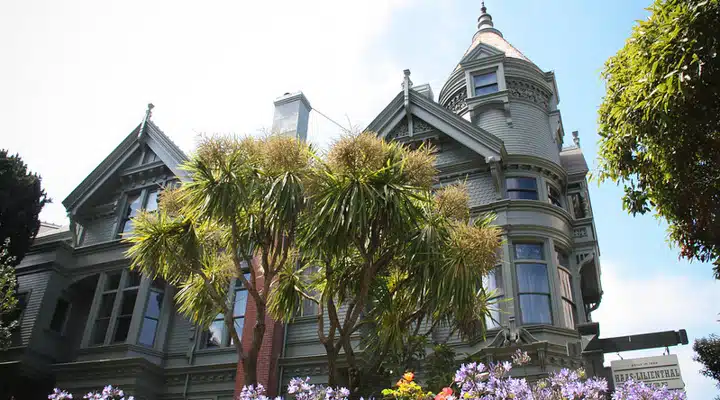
<point x="191" y="358"/>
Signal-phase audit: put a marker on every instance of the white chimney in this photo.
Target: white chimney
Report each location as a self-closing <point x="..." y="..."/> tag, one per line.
<point x="292" y="111"/>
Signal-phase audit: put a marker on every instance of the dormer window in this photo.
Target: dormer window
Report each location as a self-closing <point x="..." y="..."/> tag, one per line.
<point x="485" y="83"/>
<point x="146" y="199"/>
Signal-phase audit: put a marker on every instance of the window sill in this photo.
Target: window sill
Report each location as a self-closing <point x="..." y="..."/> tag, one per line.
<point x="214" y="350"/>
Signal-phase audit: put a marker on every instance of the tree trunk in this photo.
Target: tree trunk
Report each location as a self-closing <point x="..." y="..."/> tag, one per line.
<point x="332" y="366"/>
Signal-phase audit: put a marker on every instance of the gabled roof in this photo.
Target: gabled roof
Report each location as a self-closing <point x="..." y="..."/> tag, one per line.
<point x="167" y="151"/>
<point x="444" y="120"/>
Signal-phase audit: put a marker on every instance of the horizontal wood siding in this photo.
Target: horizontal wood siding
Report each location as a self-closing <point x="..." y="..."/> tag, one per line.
<point x="179" y="335"/>
<point x="35" y="285"/>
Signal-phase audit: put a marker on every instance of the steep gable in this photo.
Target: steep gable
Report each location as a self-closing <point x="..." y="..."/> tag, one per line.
<point x="146" y="150"/>
<point x="427" y="115"/>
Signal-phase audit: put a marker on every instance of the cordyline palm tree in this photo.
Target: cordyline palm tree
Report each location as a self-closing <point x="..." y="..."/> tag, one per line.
<point x="386" y="253"/>
<point x="238" y="214"/>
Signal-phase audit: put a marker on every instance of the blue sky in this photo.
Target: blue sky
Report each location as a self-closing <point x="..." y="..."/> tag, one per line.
<point x="80" y="73"/>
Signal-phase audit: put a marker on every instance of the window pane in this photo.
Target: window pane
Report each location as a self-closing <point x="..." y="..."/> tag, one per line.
<point x="565" y="284"/>
<point x="240" y="303"/>
<point x="58" y="319"/>
<point x="133" y="279"/>
<point x="154" y="304"/>
<point x="529" y="251"/>
<point x="214" y="334"/>
<point x="106" y="305"/>
<point x="533" y="278"/>
<point x="481" y="90"/>
<point x="568" y="314"/>
<point x="133" y="205"/>
<point x="554" y="196"/>
<point x="128" y="302"/>
<point x="521" y="183"/>
<point x="239" y="324"/>
<point x="112" y="281"/>
<point x="121" y="329"/>
<point x="522" y="195"/>
<point x="309" y="307"/>
<point x="147" y="332"/>
<point x="535" y="309"/>
<point x="493" y="320"/>
<point x="99" y="331"/>
<point x="485" y="79"/>
<point x="152" y="201"/>
<point x="561" y="258"/>
<point x="493" y="281"/>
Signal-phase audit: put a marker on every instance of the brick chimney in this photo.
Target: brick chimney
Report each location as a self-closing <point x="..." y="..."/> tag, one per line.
<point x="292" y="111"/>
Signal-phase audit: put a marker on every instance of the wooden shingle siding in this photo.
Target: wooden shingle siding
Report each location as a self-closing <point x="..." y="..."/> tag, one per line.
<point x="99" y="230"/>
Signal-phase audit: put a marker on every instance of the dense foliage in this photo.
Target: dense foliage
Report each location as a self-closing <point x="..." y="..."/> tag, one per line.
<point x="21" y="200"/>
<point x="660" y="123"/>
<point x="8" y="301"/>
<point x="474" y="381"/>
<point x="382" y="251"/>
<point x="707" y="353"/>
<point x="238" y="215"/>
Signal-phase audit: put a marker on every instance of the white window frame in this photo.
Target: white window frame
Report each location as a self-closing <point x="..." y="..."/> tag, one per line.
<point x="471" y="72"/>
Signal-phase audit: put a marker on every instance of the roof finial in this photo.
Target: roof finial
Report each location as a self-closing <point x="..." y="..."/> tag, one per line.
<point x="148" y="114"/>
<point x="576" y="139"/>
<point x="485" y="21"/>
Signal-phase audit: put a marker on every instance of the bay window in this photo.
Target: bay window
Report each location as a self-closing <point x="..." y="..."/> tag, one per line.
<point x="569" y="317"/>
<point x="554" y="196"/>
<point x="115" y="311"/>
<point x="216" y="335"/>
<point x="533" y="284"/>
<point x="151" y="318"/>
<point x="521" y="188"/>
<point x="493" y="284"/>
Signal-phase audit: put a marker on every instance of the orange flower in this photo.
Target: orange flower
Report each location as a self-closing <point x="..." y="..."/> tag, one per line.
<point x="409" y="376"/>
<point x="400" y="382"/>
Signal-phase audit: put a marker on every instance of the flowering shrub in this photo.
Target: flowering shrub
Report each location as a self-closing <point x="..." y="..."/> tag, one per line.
<point x="472" y="381"/>
<point x="407" y="389"/>
<point x="108" y="393"/>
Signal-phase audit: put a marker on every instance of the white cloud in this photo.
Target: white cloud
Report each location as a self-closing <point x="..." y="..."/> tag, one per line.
<point x="660" y="303"/>
<point x="81" y="72"/>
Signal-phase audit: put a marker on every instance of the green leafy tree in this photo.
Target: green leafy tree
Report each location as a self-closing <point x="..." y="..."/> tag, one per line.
<point x="660" y="123"/>
<point x="389" y="256"/>
<point x="21" y="200"/>
<point x="8" y="301"/>
<point x="239" y="214"/>
<point x="707" y="352"/>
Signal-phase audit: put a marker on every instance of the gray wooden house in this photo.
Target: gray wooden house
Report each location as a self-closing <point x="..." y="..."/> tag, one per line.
<point x="88" y="321"/>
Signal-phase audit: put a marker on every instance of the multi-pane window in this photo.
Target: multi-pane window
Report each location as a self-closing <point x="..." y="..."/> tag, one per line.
<point x="117" y="302"/>
<point x="308" y="307"/>
<point x="493" y="284"/>
<point x="145" y="199"/>
<point x="485" y="83"/>
<point x="566" y="293"/>
<point x="523" y="188"/>
<point x="533" y="284"/>
<point x="151" y="319"/>
<point x="217" y="335"/>
<point x="60" y="315"/>
<point x="554" y="196"/>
